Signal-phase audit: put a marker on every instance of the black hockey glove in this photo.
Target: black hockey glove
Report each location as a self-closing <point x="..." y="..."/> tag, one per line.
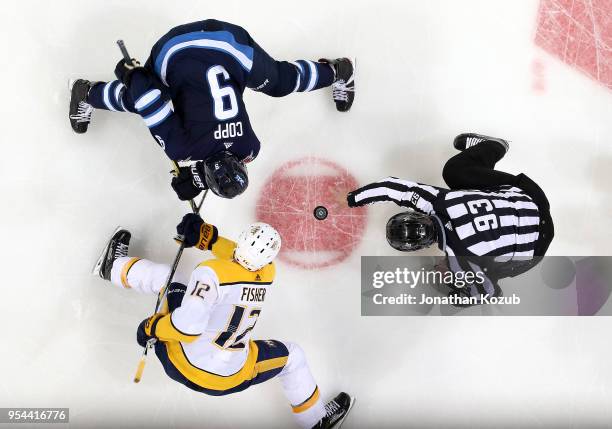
<point x="350" y="199"/>
<point x="189" y="182"/>
<point x="139" y="80"/>
<point x="196" y="232"/>
<point x="176" y="292"/>
<point x="124" y="71"/>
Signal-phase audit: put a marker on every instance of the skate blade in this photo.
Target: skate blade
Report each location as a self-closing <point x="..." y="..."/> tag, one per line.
<point x="341" y="421"/>
<point x="96" y="268"/>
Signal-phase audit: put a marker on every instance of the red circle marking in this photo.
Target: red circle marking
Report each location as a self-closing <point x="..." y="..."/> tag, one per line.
<point x="287" y="202"/>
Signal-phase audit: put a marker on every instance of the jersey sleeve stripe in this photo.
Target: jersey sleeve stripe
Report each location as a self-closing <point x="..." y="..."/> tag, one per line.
<point x="304" y="74"/>
<point x="386" y="184"/>
<point x="270" y="364"/>
<point x="118" y="96"/>
<point x="222" y="41"/>
<point x="423" y="202"/>
<point x="308" y="403"/>
<point x="380" y="193"/>
<point x="159" y="115"/>
<point x="147" y="99"/>
<point x="126" y="269"/>
<point x="314" y="76"/>
<point x="298" y="79"/>
<point x="433" y="191"/>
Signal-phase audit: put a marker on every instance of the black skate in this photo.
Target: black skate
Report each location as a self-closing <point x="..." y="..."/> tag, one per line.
<point x="467" y="140"/>
<point x="116" y="247"/>
<point x="343" y="88"/>
<point x="80" y="110"/>
<point x="336" y="411"/>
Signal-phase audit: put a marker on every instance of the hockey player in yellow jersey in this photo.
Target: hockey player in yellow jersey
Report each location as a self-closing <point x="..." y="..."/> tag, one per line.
<point x="204" y="337"/>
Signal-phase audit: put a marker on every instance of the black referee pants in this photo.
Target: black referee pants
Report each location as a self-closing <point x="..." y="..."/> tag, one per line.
<point x="474" y="168"/>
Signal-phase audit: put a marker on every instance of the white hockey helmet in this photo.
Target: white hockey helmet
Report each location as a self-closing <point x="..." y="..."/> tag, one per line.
<point x="257" y="246"/>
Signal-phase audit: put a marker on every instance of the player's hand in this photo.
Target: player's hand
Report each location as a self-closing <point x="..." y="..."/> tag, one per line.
<point x="176" y="292"/>
<point x="189" y="182"/>
<point x="146" y="329"/>
<point x="196" y="232"/>
<point x="124" y="71"/>
<point x="350" y="199"/>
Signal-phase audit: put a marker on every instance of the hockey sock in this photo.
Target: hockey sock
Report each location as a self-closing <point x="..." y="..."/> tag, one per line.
<point x="108" y="96"/>
<point x="312" y="75"/>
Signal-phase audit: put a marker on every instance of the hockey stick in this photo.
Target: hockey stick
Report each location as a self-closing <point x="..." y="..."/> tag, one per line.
<point x="130" y="61"/>
<point x="124" y="52"/>
<point x="194" y="208"/>
<point x="162" y="292"/>
<point x="162" y="295"/>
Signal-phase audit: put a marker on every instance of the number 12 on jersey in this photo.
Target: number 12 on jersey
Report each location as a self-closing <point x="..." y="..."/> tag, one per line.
<point x="226" y="339"/>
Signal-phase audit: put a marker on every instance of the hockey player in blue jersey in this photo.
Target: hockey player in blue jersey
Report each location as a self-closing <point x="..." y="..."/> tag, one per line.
<point x="189" y="93"/>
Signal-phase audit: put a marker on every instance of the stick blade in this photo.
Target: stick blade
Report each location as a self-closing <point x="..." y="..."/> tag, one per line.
<point x="140" y="369"/>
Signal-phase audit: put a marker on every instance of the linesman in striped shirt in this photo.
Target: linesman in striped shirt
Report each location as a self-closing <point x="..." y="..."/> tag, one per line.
<point x="488" y="221"/>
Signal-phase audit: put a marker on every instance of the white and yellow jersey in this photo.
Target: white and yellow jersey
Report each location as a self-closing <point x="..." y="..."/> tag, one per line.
<point x="211" y="329"/>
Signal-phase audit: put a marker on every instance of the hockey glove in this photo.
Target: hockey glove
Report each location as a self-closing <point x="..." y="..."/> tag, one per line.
<point x="175" y="295"/>
<point x="189" y="182"/>
<point x="196" y="232"/>
<point x="139" y="80"/>
<point x="146" y="329"/>
<point x="350" y="199"/>
<point x="124" y="71"/>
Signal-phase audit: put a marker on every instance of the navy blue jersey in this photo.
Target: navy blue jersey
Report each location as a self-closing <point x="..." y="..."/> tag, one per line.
<point x="198" y="110"/>
<point x="189" y="92"/>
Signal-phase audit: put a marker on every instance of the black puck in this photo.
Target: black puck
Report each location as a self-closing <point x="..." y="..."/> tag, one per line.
<point x="320" y="212"/>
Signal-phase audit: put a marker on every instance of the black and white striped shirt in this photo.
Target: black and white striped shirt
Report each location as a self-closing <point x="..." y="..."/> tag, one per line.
<point x="501" y="223"/>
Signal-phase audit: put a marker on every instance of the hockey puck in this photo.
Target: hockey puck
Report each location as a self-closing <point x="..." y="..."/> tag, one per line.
<point x="287" y="202"/>
<point x="320" y="212"/>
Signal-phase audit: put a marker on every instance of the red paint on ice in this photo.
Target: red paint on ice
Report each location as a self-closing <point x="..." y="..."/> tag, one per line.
<point x="287" y="202"/>
<point x="579" y="32"/>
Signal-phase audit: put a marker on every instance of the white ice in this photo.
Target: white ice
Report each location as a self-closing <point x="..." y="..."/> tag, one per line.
<point x="426" y="71"/>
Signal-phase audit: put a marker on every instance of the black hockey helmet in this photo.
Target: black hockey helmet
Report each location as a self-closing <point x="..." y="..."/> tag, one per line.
<point x="225" y="174"/>
<point x="410" y="231"/>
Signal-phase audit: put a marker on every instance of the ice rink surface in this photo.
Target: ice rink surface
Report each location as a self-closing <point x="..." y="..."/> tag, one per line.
<point x="427" y="70"/>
